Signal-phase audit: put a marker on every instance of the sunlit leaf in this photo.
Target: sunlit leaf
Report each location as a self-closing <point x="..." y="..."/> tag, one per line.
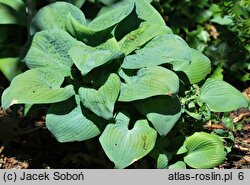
<point x="147" y="84"/>
<point x="167" y="48"/>
<point x="102" y="102"/>
<point x="199" y="67"/>
<point x="124" y="146"/>
<point x="111" y="18"/>
<point x="66" y="121"/>
<point x="50" y="48"/>
<point x="204" y="150"/>
<point x="140" y="36"/>
<point x="55" y="16"/>
<point x="36" y="86"/>
<point x="221" y="96"/>
<point x="162" y="111"/>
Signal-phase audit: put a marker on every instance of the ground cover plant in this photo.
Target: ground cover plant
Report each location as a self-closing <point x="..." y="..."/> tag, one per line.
<point x="125" y="79"/>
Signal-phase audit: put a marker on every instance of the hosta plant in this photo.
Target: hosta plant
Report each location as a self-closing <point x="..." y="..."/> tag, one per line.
<point x="124" y="78"/>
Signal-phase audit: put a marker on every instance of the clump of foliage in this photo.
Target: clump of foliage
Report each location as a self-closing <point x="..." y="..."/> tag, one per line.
<point x="126" y="78"/>
<point x="220" y="29"/>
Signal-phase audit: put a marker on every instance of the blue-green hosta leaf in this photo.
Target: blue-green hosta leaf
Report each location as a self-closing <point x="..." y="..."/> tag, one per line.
<point x="36" y="86"/>
<point x="140" y="36"/>
<point x="10" y="67"/>
<point x="124" y="146"/>
<point x="148" y="13"/>
<point x="221" y="96"/>
<point x="13" y="12"/>
<point x="204" y="150"/>
<point x="102" y="102"/>
<point x="86" y="58"/>
<point x="55" y="16"/>
<point x="162" y="111"/>
<point x="112" y="17"/>
<point x="162" y="161"/>
<point x="50" y="48"/>
<point x="86" y="34"/>
<point x="199" y="68"/>
<point x="177" y="166"/>
<point x="67" y="122"/>
<point x="167" y="48"/>
<point x="148" y="82"/>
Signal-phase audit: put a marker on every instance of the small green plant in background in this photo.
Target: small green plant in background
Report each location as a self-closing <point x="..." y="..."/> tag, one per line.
<point x="127" y="80"/>
<point x="220" y="29"/>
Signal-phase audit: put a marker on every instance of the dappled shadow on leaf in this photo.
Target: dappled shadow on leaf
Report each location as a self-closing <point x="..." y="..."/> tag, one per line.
<point x="130" y="23"/>
<point x="184" y="82"/>
<point x="98" y="76"/>
<point x="64" y="107"/>
<point x="97" y="120"/>
<point x="162" y="111"/>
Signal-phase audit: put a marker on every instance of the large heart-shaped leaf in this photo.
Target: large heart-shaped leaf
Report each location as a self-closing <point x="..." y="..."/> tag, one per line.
<point x="199" y="68"/>
<point x="167" y="48"/>
<point x="124" y="146"/>
<point x="147" y="84"/>
<point x="204" y="150"/>
<point x="55" y="16"/>
<point x="50" y="48"/>
<point x="162" y="111"/>
<point x="112" y="17"/>
<point x="66" y="121"/>
<point x="86" y="58"/>
<point x="102" y="102"/>
<point x="36" y="86"/>
<point x="140" y="36"/>
<point x="221" y="96"/>
<point x="13" y="12"/>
